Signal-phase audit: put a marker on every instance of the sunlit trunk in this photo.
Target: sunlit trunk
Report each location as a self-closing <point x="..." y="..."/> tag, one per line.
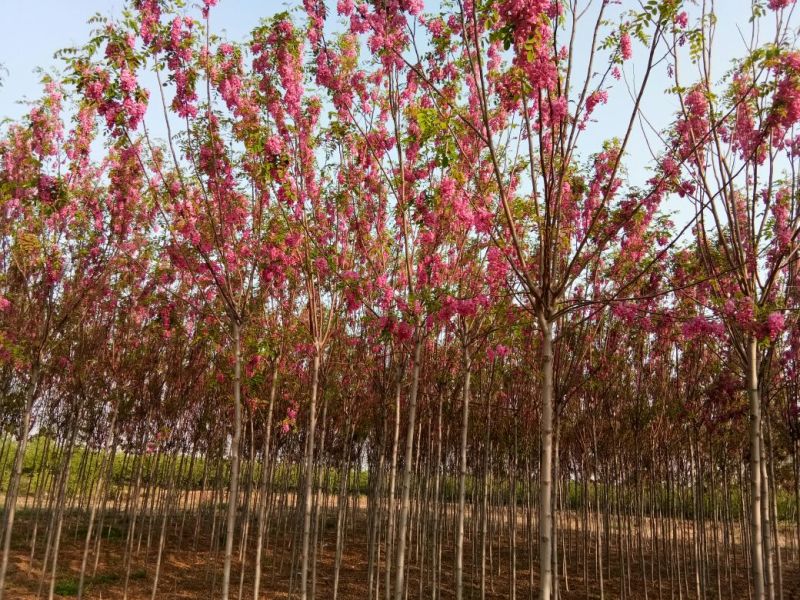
<point x="462" y="478"/>
<point x="309" y="475"/>
<point x="233" y="495"/>
<point x="405" y="504"/>
<point x="756" y="541"/>
<point x="262" y="509"/>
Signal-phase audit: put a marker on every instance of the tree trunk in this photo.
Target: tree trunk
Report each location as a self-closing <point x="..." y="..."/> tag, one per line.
<point x="262" y="509"/>
<point x="106" y="465"/>
<point x="233" y="495"/>
<point x="756" y="543"/>
<point x="405" y="505"/>
<point x="391" y="507"/>
<point x="546" y="469"/>
<point x="462" y="478"/>
<point x="309" y="475"/>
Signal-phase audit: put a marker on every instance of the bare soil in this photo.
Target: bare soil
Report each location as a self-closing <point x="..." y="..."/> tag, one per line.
<point x="190" y="572"/>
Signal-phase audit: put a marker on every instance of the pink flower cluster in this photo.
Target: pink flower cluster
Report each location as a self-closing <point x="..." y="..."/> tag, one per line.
<point x="497" y="352"/>
<point x="778" y="4"/>
<point x="123" y="111"/>
<point x="45" y="122"/>
<point x="625" y="46"/>
<point x="786" y="102"/>
<point x="530" y="20"/>
<point x="700" y="326"/>
<point x="179" y="61"/>
<point x="149" y="17"/>
<point x="774" y="325"/>
<point x="291" y="417"/>
<point x="692" y="128"/>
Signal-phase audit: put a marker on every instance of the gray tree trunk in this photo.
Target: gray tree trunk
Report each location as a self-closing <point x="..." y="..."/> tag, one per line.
<point x="233" y="495"/>
<point x="405" y="503"/>
<point x="462" y="478"/>
<point x="756" y="541"/>
<point x="546" y="469"/>
<point x="309" y="475"/>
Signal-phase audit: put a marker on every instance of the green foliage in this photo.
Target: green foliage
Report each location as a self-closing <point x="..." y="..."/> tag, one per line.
<point x="67" y="587"/>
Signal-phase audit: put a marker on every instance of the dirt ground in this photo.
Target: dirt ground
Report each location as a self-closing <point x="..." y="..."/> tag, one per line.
<point x="196" y="573"/>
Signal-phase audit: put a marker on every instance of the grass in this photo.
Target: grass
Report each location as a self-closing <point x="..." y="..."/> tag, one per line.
<point x="69" y="587"/>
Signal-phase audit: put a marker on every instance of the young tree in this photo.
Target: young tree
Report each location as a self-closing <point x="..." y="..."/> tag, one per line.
<point x="735" y="140"/>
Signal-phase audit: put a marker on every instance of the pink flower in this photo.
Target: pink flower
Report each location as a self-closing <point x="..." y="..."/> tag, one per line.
<point x="682" y="19"/>
<point x="345" y="7"/>
<point x="595" y="98"/>
<point x="498" y="351"/>
<point x="778" y="4"/>
<point x="207" y="4"/>
<point x="404" y="331"/>
<point x="322" y="266"/>
<point x="559" y="109"/>
<point x="127" y="81"/>
<point x="786" y="102"/>
<point x="700" y="326"/>
<point x="436" y="27"/>
<point x="775" y="324"/>
<point x="274" y="146"/>
<point x="625" y="46"/>
<point x="625" y="311"/>
<point x="4" y="303"/>
<point x="414" y="6"/>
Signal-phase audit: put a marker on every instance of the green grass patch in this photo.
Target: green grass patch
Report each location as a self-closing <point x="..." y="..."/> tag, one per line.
<point x="67" y="587"/>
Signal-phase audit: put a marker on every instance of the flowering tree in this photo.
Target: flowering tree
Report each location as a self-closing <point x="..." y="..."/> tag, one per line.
<point x="64" y="230"/>
<point x="521" y="117"/>
<point x="734" y="150"/>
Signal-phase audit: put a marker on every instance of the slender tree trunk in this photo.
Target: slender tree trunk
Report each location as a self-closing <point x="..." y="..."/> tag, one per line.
<point x="546" y="469"/>
<point x="773" y="496"/>
<point x="405" y="505"/>
<point x="462" y="477"/>
<point x="341" y="510"/>
<point x="167" y="499"/>
<point x="598" y="541"/>
<point x="106" y="465"/>
<point x="756" y="542"/>
<point x="391" y="504"/>
<point x="60" y="501"/>
<point x="309" y="475"/>
<point x="262" y="509"/>
<point x="796" y="465"/>
<point x="233" y="495"/>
